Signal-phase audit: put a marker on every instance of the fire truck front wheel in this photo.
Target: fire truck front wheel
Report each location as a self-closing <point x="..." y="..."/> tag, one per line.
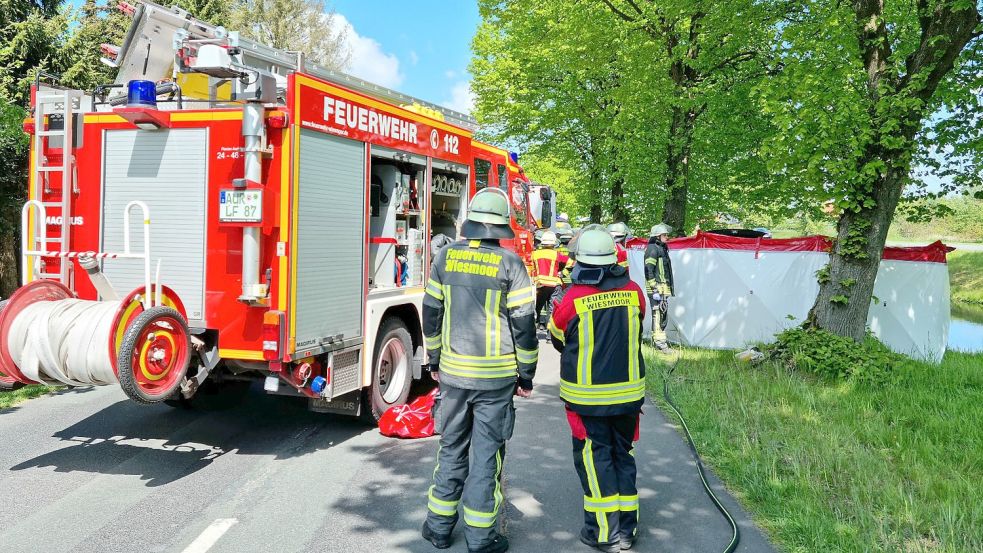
<point x="392" y="373"/>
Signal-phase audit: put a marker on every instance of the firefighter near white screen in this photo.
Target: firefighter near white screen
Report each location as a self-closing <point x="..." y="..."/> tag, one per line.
<point x="346" y="115"/>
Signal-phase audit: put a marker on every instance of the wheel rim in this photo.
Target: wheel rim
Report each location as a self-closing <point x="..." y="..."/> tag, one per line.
<point x="161" y="352"/>
<point x="391" y="370"/>
<point x="129" y="309"/>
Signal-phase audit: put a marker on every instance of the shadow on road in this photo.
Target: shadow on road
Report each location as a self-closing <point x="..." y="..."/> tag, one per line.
<point x="161" y="444"/>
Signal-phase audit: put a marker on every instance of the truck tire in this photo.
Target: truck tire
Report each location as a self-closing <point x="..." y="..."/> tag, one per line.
<point x="392" y="371"/>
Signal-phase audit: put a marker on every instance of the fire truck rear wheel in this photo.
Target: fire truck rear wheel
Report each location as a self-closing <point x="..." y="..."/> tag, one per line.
<point x="154" y="355"/>
<point x="392" y="373"/>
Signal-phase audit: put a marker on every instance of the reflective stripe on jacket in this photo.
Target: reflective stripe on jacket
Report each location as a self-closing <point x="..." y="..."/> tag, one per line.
<point x="478" y="316"/>
<point x="658" y="268"/>
<point x="598" y="333"/>
<point x="547" y="264"/>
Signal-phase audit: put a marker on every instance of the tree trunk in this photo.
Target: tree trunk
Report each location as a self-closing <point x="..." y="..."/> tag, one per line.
<point x="9" y="270"/>
<point x="678" y="151"/>
<point x="596" y="213"/>
<point x="845" y="291"/>
<point x="845" y="295"/>
<point x="618" y="210"/>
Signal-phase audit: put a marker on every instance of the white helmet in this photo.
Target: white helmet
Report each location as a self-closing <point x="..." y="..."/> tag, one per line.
<point x="660" y="229"/>
<point x="618" y="231"/>
<point x="548" y="238"/>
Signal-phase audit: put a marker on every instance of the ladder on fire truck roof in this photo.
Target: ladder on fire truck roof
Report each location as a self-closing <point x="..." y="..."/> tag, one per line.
<point x="151" y="37"/>
<point x="50" y="105"/>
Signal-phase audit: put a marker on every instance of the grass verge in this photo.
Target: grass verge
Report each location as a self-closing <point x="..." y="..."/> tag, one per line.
<point x="966" y="276"/>
<point x="842" y="466"/>
<point x="13" y="397"/>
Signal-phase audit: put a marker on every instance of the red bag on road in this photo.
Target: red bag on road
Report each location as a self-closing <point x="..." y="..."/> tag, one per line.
<point x="413" y="420"/>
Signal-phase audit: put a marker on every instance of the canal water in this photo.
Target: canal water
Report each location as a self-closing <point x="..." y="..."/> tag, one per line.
<point x="966" y="328"/>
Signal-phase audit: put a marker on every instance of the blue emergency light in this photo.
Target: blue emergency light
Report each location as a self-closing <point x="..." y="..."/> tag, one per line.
<point x="515" y="157"/>
<point x="141" y="94"/>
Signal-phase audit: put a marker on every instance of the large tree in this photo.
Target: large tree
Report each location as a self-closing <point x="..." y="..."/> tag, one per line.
<point x="869" y="90"/>
<point x="546" y="78"/>
<point x="706" y="48"/>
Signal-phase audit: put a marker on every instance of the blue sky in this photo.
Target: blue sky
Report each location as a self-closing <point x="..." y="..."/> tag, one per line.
<point x="421" y="48"/>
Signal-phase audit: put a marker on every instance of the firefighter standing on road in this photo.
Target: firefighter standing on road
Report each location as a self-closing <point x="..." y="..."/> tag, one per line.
<point x="480" y="332"/>
<point x="658" y="283"/>
<point x="619" y="232"/>
<point x="597" y="327"/>
<point x="547" y="266"/>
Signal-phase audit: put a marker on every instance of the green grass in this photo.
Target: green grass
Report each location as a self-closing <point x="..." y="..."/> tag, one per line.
<point x="966" y="276"/>
<point x="11" y="398"/>
<point x="843" y="467"/>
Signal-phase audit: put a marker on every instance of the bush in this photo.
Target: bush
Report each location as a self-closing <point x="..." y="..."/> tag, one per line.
<point x="829" y="356"/>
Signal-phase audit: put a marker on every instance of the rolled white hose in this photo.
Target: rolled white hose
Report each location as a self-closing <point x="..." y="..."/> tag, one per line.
<point x="64" y="342"/>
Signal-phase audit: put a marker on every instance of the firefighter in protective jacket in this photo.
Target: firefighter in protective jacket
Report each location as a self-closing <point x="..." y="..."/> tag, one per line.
<point x="480" y="332"/>
<point x="548" y="266"/>
<point x="658" y="283"/>
<point x="597" y="327"/>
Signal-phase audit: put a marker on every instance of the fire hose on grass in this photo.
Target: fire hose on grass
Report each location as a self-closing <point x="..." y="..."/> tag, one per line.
<point x="735" y="532"/>
<point x="48" y="335"/>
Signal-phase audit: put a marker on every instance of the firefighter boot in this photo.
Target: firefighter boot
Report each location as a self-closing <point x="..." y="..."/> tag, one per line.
<point x="663" y="347"/>
<point x="440" y="541"/>
<point x="498" y="544"/>
<point x="611" y="547"/>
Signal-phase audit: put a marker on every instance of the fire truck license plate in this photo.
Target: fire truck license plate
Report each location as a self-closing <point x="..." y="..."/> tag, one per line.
<point x="240" y="206"/>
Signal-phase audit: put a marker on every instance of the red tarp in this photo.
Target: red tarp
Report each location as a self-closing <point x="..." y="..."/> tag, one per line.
<point x="933" y="253"/>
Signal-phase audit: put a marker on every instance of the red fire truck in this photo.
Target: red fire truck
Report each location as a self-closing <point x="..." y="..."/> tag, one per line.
<point x="281" y="216"/>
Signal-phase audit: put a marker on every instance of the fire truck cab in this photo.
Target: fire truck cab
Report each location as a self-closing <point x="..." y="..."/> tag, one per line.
<point x="286" y="213"/>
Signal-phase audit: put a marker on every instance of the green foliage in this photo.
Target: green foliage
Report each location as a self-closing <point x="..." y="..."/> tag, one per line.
<point x="299" y="25"/>
<point x="822" y="275"/>
<point x="91" y="25"/>
<point x="11" y="398"/>
<point x="213" y="11"/>
<point x="837" y="466"/>
<point x="29" y="42"/>
<point x="13" y="172"/>
<point x="575" y="82"/>
<point x="966" y="276"/>
<point x="951" y="219"/>
<point x="830" y="356"/>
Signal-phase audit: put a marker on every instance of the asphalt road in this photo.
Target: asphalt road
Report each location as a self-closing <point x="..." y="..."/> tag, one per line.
<point x="90" y="471"/>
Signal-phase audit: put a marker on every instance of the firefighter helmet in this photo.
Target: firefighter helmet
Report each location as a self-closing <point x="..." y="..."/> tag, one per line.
<point x="565" y="234"/>
<point x="618" y="231"/>
<point x="596" y="247"/>
<point x="488" y="216"/>
<point x="548" y="238"/>
<point x="660" y="229"/>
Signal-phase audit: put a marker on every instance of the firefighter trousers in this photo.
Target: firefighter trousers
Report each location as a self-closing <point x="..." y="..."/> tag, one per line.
<point x="660" y="318"/>
<point x="603" y="455"/>
<point x="543" y="307"/>
<point x="474" y="426"/>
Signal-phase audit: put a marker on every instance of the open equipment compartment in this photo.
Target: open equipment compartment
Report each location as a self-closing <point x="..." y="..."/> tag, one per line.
<point x="396" y="229"/>
<point x="449" y="187"/>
